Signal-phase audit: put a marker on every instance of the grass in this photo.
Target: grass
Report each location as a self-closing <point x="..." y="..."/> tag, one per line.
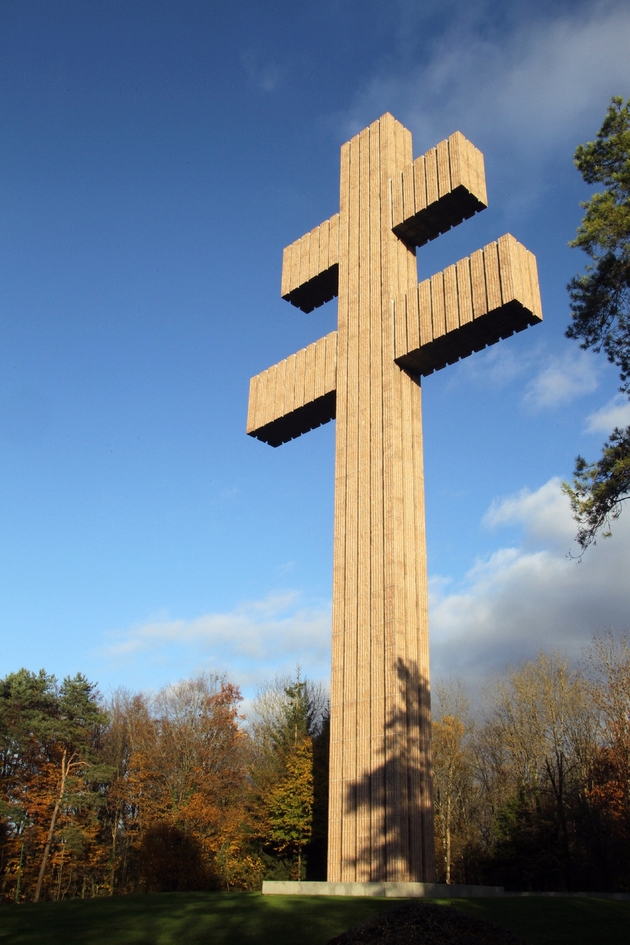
<point x="251" y="919"/>
<point x="550" y="921"/>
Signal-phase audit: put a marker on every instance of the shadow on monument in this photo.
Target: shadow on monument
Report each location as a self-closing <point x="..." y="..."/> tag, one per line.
<point x="392" y="803"/>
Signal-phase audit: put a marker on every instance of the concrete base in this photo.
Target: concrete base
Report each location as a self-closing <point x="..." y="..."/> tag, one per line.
<point x="385" y="890"/>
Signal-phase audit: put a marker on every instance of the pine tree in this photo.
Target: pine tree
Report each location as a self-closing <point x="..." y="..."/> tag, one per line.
<point x="600" y="306"/>
<point x="288" y="715"/>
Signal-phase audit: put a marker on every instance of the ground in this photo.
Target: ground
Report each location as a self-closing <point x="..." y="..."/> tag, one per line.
<point x="249" y="919"/>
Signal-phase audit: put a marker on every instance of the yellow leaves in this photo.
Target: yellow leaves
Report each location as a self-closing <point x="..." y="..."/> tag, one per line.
<point x="170" y="802"/>
<point x="290" y="802"/>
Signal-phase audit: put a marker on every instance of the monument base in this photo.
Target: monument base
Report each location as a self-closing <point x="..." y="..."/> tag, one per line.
<point x="384" y="890"/>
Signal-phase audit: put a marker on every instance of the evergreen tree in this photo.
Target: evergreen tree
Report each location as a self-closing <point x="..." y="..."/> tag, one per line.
<point x="288" y="715"/>
<point x="50" y="774"/>
<point x="600" y="306"/>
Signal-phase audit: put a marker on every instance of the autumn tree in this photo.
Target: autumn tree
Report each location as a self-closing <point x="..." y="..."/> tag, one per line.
<point x="600" y="312"/>
<point x="455" y="791"/>
<point x="185" y="773"/>
<point x="27" y="701"/>
<point x="51" y="771"/>
<point x="70" y="745"/>
<point x="129" y="722"/>
<point x="608" y="790"/>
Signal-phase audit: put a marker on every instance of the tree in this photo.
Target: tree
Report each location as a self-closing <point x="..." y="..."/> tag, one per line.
<point x="129" y="718"/>
<point x="454" y="790"/>
<point x="27" y="702"/>
<point x="49" y="771"/>
<point x="287" y="716"/>
<point x="600" y="307"/>
<point x="184" y="780"/>
<point x="608" y="660"/>
<point x="537" y="747"/>
<point x="70" y="746"/>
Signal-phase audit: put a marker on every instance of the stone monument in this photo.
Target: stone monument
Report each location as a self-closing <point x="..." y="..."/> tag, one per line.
<point x="366" y="375"/>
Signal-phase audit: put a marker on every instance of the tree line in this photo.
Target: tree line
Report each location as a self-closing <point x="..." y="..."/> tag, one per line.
<point x="166" y="792"/>
<point x="533" y="791"/>
<point x="180" y="791"/>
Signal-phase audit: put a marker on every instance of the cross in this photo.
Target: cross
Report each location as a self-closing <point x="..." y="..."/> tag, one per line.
<point x="366" y="374"/>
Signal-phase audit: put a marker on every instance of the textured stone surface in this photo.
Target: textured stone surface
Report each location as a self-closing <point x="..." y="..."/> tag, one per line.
<point x="390" y="332"/>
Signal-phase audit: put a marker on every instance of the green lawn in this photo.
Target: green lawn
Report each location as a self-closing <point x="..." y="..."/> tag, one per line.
<point x="248" y="918"/>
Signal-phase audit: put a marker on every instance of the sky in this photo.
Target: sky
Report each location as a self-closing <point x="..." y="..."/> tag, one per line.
<point x="155" y="159"/>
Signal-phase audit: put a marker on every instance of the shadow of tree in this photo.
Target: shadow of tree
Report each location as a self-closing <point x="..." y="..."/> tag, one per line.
<point x="396" y="795"/>
<point x="172" y="861"/>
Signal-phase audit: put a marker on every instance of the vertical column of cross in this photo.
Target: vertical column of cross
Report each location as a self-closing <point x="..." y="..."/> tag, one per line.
<point x="414" y="676"/>
<point x="338" y="715"/>
<point x="396" y="793"/>
<point x="365" y="350"/>
<point x="378" y="200"/>
<point x="378" y="763"/>
<point x="352" y="793"/>
<point x="408" y="816"/>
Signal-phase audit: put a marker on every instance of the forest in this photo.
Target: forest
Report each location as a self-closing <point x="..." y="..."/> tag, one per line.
<point x="184" y="790"/>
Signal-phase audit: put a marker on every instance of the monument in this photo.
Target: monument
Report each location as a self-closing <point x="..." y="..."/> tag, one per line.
<point x="366" y="375"/>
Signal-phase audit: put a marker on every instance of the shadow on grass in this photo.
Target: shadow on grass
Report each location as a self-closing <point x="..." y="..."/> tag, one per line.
<point x="184" y="919"/>
<point x="248" y="918"/>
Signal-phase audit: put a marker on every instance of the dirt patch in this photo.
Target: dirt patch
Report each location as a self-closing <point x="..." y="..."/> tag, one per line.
<point x="423" y="923"/>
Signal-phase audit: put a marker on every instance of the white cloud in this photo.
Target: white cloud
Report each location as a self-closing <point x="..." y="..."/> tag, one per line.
<point x="494" y="367"/>
<point x="523" y="599"/>
<point x="616" y="413"/>
<point x="543" y="514"/>
<point x="563" y="380"/>
<point x="529" y="88"/>
<point x="251" y="643"/>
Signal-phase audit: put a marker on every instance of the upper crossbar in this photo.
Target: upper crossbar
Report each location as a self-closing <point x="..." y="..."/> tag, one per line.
<point x="438" y="191"/>
<point x="310" y="267"/>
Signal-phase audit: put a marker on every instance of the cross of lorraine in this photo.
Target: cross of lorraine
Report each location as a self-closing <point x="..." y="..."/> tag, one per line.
<point x="367" y="375"/>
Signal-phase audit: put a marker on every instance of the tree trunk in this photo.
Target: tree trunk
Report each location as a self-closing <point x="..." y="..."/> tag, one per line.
<point x="114" y="832"/>
<point x="42" y="870"/>
<point x="448" y="839"/>
<point x="63" y="852"/>
<point x="19" y="875"/>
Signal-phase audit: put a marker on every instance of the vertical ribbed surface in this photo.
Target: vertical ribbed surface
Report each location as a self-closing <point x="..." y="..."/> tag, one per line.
<point x="390" y="332"/>
<point x="491" y="294"/>
<point x="311" y="255"/>
<point x="380" y="779"/>
<point x="295" y="382"/>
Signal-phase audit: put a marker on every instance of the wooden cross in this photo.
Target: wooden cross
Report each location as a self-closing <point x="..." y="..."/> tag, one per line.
<point x="391" y="331"/>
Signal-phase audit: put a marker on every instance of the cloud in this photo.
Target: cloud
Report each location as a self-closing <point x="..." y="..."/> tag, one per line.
<point x="495" y="367"/>
<point x="564" y="379"/>
<point x="518" y="600"/>
<point x="527" y="88"/>
<point x="543" y="514"/>
<point x="251" y="643"/>
<point x="616" y="413"/>
<point x="522" y="599"/>
<point x="264" y="75"/>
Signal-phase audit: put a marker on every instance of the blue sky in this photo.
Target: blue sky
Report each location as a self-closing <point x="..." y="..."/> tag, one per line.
<point x="155" y="158"/>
